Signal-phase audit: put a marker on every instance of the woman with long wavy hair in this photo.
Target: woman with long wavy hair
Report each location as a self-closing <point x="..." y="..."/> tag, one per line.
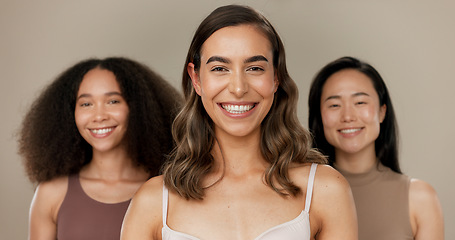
<point x="243" y="166"/>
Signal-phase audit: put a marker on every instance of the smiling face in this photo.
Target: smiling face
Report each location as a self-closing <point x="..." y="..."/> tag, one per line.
<point x="350" y="112"/>
<point x="236" y="79"/>
<point x="101" y="113"/>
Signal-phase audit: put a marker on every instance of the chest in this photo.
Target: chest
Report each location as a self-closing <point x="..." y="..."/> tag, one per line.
<point x="383" y="210"/>
<point x="237" y="213"/>
<point x="81" y="217"/>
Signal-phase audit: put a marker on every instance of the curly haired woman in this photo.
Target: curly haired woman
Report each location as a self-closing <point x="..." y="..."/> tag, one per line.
<point x="90" y="140"/>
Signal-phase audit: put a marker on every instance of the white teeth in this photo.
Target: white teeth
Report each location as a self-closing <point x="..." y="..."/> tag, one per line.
<point x="101" y="131"/>
<point x="350" y="130"/>
<point x="237" y="109"/>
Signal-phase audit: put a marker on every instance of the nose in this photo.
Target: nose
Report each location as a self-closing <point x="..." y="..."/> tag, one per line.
<point x="238" y="85"/>
<point x="100" y="113"/>
<point x="348" y="114"/>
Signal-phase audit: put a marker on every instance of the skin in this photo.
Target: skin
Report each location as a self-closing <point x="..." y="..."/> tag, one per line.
<point x="351" y="117"/>
<point x="239" y="206"/>
<point x="101" y="113"/>
<point x="111" y="176"/>
<point x="349" y="101"/>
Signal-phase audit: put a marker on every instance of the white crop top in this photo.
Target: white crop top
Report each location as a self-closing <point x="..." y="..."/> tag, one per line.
<point x="296" y="229"/>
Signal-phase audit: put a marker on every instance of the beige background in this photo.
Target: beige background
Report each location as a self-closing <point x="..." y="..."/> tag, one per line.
<point x="410" y="42"/>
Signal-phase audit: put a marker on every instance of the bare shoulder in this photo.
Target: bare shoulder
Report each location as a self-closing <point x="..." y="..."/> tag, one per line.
<point x="332" y="211"/>
<point x="51" y="192"/>
<point x="45" y="206"/>
<point x="143" y="219"/>
<point x="426" y="212"/>
<point x="149" y="196"/>
<point x="423" y="194"/>
<point x="421" y="191"/>
<point x="326" y="179"/>
<point x="329" y="173"/>
<point x="330" y="187"/>
<point x="56" y="184"/>
<point x="151" y="191"/>
<point x="153" y="183"/>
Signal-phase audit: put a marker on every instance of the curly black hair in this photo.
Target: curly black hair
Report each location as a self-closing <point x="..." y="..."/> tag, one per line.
<point x="50" y="143"/>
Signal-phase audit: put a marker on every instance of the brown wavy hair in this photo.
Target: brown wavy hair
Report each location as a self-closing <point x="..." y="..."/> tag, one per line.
<point x="51" y="145"/>
<point x="283" y="139"/>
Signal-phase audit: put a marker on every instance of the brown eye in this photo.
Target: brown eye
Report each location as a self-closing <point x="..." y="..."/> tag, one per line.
<point x="85" y="104"/>
<point x="255" y="69"/>
<point x="218" y="69"/>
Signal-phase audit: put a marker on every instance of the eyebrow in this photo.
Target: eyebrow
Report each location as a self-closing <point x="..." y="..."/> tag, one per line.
<point x="86" y="95"/>
<point x="360" y="94"/>
<point x="354" y="95"/>
<point x="256" y="58"/>
<point x="218" y="59"/>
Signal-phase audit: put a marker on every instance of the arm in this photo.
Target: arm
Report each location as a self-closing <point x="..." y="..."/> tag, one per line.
<point x="44" y="209"/>
<point x="143" y="219"/>
<point x="426" y="213"/>
<point x="334" y="206"/>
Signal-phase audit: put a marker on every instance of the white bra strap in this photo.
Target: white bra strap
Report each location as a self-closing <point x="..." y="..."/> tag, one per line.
<point x="165" y="202"/>
<point x="309" y="189"/>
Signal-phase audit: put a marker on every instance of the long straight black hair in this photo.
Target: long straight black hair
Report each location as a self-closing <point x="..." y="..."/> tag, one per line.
<point x="386" y="144"/>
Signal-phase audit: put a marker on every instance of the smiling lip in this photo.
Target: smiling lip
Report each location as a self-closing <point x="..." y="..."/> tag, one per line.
<point x="350" y="131"/>
<point x="101" y="132"/>
<point x="237" y="109"/>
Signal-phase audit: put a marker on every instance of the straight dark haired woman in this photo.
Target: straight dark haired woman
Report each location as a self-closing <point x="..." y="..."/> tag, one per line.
<point x="353" y="123"/>
<point x="243" y="167"/>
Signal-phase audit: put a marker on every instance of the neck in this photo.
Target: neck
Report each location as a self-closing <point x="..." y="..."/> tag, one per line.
<point x="359" y="162"/>
<point x="238" y="155"/>
<point x="111" y="165"/>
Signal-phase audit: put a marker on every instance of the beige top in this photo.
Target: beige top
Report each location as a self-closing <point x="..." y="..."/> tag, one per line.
<point x="298" y="228"/>
<point x="382" y="201"/>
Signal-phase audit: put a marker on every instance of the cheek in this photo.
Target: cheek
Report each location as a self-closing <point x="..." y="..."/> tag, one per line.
<point x="328" y="118"/>
<point x="125" y="116"/>
<point x="370" y="115"/>
<point x="211" y="87"/>
<point x="207" y="89"/>
<point x="80" y="119"/>
<point x="121" y="114"/>
<point x="265" y="83"/>
<point x="264" y="87"/>
<point x="329" y="134"/>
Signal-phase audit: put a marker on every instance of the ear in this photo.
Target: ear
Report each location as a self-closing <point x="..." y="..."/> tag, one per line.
<point x="194" y="78"/>
<point x="276" y="82"/>
<point x="382" y="112"/>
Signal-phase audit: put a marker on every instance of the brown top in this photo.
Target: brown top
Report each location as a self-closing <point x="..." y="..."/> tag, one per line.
<point x="382" y="201"/>
<point x="81" y="217"/>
